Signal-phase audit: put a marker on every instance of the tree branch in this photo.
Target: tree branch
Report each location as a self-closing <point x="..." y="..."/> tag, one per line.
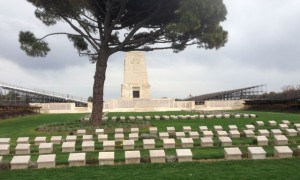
<point x="58" y="33"/>
<point x="135" y="29"/>
<point x="95" y="46"/>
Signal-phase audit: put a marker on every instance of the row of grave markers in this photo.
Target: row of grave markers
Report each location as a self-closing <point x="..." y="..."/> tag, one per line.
<point x="175" y="117"/>
<point x="134" y="157"/>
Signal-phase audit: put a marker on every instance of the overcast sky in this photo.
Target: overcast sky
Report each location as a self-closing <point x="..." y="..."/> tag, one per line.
<point x="263" y="48"/>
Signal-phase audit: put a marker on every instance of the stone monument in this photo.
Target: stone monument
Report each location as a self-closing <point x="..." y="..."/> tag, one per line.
<point x="135" y="85"/>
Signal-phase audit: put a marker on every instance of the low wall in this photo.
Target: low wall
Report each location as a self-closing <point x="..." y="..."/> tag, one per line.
<point x="222" y="105"/>
<point x="135" y="105"/>
<point x="57" y="108"/>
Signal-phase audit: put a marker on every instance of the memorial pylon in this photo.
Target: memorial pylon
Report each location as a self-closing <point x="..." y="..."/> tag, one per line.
<point x="135" y="85"/>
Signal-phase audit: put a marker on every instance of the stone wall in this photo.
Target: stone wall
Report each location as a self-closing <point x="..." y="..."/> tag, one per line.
<point x="222" y="105"/>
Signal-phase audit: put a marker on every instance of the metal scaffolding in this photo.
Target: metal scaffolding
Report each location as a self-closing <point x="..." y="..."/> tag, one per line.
<point x="12" y="94"/>
<point x="253" y="92"/>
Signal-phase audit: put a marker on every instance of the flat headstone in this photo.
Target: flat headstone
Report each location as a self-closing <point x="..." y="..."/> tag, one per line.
<point x="256" y="153"/>
<point x="22" y="149"/>
<point x="218" y="128"/>
<point x="232" y="153"/>
<point x="114" y="118"/>
<point x="77" y="159"/>
<point x="157" y="117"/>
<point x="184" y="117"/>
<point x="153" y="130"/>
<point x="20" y="162"/>
<point x="210" y="116"/>
<point x="283" y="152"/>
<point x="4" y="149"/>
<point x="148" y="118"/>
<point x="187" y="142"/>
<point x="246" y="116"/>
<point x="227" y="116"/>
<point x="186" y="129"/>
<point x="194" y="134"/>
<point x="174" y="117"/>
<point x="297" y="125"/>
<point x="283" y="126"/>
<point x="119" y="130"/>
<point x="39" y="140"/>
<point x="206" y="142"/>
<point x="46" y="161"/>
<point x="222" y="133"/>
<point x="169" y="143"/>
<point x="68" y="147"/>
<point x="71" y="138"/>
<point x="99" y="131"/>
<point x="106" y="158"/>
<point x="219" y="116"/>
<point x="134" y="130"/>
<point x="128" y="144"/>
<point x="287" y="122"/>
<point x="122" y="118"/>
<point x="87" y="138"/>
<point x="250" y="127"/>
<point x="4" y="141"/>
<point x="148" y="144"/>
<point x="134" y="136"/>
<point x="88" y="146"/>
<point x="140" y="118"/>
<point x="262" y="140"/>
<point x="280" y="140"/>
<point x="23" y="140"/>
<point x="81" y="132"/>
<point x="166" y="117"/>
<point x="157" y="156"/>
<point x="203" y="128"/>
<point x="193" y="117"/>
<point x="263" y="132"/>
<point x="237" y="116"/>
<point x="232" y="127"/>
<point x="163" y="135"/>
<point x="201" y="116"/>
<point x="260" y="123"/>
<point x="272" y="123"/>
<point x="179" y="135"/>
<point x="234" y="134"/>
<point x="132" y="157"/>
<point x="1" y="159"/>
<point x="109" y="145"/>
<point x="171" y="130"/>
<point x="249" y="133"/>
<point x="208" y="134"/>
<point x="291" y="132"/>
<point x="132" y="118"/>
<point x="119" y="137"/>
<point x="56" y="139"/>
<point x="45" y="148"/>
<point x="275" y="132"/>
<point x="225" y="141"/>
<point x="252" y="115"/>
<point x="184" y="155"/>
<point x="102" y="137"/>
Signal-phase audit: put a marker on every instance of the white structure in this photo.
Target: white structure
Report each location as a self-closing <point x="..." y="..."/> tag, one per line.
<point x="135" y="85"/>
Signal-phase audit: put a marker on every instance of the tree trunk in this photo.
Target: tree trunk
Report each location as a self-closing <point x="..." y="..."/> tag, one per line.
<point x="98" y="87"/>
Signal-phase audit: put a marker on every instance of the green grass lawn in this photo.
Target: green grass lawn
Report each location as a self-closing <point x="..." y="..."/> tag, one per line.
<point x="245" y="169"/>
